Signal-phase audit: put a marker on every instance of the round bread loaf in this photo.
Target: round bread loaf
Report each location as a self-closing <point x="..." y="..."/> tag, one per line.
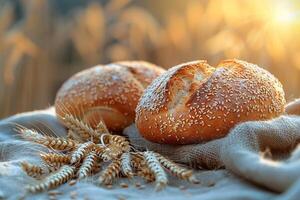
<point x="106" y="92"/>
<point x="194" y="102"/>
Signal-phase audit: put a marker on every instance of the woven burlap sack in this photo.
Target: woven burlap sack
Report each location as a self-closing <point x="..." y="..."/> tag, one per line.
<point x="263" y="152"/>
<point x="218" y="184"/>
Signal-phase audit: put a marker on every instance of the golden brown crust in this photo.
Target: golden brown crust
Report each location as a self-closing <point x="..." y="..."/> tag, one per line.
<point x="194" y="102"/>
<point x="109" y="92"/>
<point x="143" y="71"/>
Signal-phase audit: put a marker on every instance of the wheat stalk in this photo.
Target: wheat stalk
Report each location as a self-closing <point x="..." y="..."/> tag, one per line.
<point x="138" y="162"/>
<point x="125" y="164"/>
<point x="80" y="152"/>
<point x="176" y="170"/>
<point x="111" y="172"/>
<point x="119" y="141"/>
<point x="81" y="128"/>
<point x="87" y="165"/>
<point x="34" y="171"/>
<point x="50" y="142"/>
<point x="74" y="136"/>
<point x="65" y="173"/>
<point x="55" y="160"/>
<point x="146" y="173"/>
<point x="96" y="168"/>
<point x="101" y="128"/>
<point x="148" y="165"/>
<point x="99" y="149"/>
<point x="155" y="167"/>
<point x="117" y="145"/>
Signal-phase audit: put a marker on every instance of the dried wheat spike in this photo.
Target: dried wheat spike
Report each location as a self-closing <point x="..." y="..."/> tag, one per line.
<point x="146" y="173"/>
<point x="74" y="136"/>
<point x="87" y="165"/>
<point x="81" y="151"/>
<point x="119" y="141"/>
<point x="175" y="169"/>
<point x="155" y="167"/>
<point x="54" y="180"/>
<point x="104" y="152"/>
<point x="101" y="128"/>
<point x="34" y="171"/>
<point x="110" y="173"/>
<point x="99" y="149"/>
<point x="81" y="128"/>
<point x="116" y="146"/>
<point x="111" y="152"/>
<point x="96" y="168"/>
<point x="50" y="142"/>
<point x="55" y="160"/>
<point x="71" y="134"/>
<point x="54" y="167"/>
<point x="125" y="164"/>
<point x="137" y="161"/>
<point x="139" y="164"/>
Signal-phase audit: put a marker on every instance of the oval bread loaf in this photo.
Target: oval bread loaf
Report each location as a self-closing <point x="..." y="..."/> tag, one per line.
<point x="106" y="92"/>
<point x="195" y="102"/>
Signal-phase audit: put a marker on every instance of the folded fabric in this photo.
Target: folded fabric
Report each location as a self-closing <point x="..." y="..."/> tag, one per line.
<point x="13" y="181"/>
<point x="263" y="152"/>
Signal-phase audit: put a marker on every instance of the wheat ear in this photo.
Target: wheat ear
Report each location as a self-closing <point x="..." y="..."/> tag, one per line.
<point x="176" y="170"/>
<point x="50" y="142"/>
<point x="103" y="152"/>
<point x="55" y="160"/>
<point x="34" y="171"/>
<point x="116" y="146"/>
<point x="139" y="164"/>
<point x="110" y="173"/>
<point x="125" y="164"/>
<point x="119" y="141"/>
<point x="96" y="168"/>
<point x="155" y="167"/>
<point x="87" y="165"/>
<point x="74" y="136"/>
<point x="99" y="149"/>
<point x="146" y="173"/>
<point x="81" y="151"/>
<point x="137" y="161"/>
<point x="54" y="180"/>
<point x="84" y="130"/>
<point x="101" y="128"/>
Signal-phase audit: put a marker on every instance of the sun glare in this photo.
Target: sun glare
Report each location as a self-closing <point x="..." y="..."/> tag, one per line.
<point x="284" y="13"/>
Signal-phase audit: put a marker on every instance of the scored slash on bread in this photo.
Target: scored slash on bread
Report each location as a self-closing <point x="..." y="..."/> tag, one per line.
<point x="190" y="103"/>
<point x="195" y="102"/>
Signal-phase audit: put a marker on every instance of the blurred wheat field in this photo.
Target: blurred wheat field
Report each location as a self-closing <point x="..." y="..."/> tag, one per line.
<point x="43" y="42"/>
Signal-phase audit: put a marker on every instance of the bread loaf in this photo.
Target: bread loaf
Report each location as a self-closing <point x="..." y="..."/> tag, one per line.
<point x="109" y="92"/>
<point x="195" y="102"/>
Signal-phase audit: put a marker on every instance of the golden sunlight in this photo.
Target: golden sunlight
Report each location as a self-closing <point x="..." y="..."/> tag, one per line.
<point x="284" y="13"/>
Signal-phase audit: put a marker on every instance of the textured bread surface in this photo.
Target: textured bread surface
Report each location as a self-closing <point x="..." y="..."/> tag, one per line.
<point x="106" y="92"/>
<point x="195" y="102"/>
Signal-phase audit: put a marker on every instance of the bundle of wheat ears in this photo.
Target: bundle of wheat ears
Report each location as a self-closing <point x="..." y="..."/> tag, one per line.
<point x="87" y="151"/>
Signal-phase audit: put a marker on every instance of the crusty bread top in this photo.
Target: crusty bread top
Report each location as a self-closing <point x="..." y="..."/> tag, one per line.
<point x="172" y="87"/>
<point x="144" y="72"/>
<point x="194" y="102"/>
<point x="113" y="88"/>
